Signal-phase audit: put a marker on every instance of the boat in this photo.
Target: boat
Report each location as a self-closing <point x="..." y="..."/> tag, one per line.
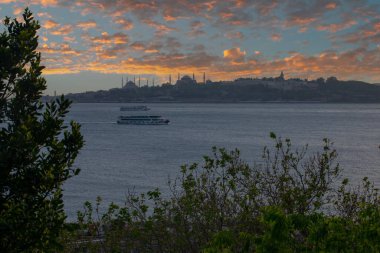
<point x="135" y="108"/>
<point x="142" y="120"/>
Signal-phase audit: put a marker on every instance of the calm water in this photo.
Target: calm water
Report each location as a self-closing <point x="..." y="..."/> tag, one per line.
<point x="121" y="157"/>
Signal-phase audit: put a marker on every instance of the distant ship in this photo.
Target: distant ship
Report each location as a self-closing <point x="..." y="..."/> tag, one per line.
<point x="135" y="108"/>
<point x="142" y="120"/>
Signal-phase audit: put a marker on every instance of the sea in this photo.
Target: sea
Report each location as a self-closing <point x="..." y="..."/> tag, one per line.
<point x="118" y="159"/>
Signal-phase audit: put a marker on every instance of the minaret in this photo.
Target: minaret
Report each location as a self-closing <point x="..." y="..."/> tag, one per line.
<point x="153" y="82"/>
<point x="139" y="81"/>
<point x="122" y="82"/>
<point x="204" y="77"/>
<point x="282" y="75"/>
<point x="170" y="79"/>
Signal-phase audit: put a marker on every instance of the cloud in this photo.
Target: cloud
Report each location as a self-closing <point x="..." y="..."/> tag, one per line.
<point x="234" y="54"/>
<point x="62" y="30"/>
<point x="62" y="49"/>
<point x="333" y="28"/>
<point x="124" y="23"/>
<point x="138" y="45"/>
<point x="365" y="34"/>
<point x="86" y="25"/>
<point x="160" y="64"/>
<point x="45" y="3"/>
<point x="60" y="71"/>
<point x="18" y="10"/>
<point x="105" y="38"/>
<point x="276" y="37"/>
<point x="344" y="65"/>
<point x="153" y="35"/>
<point x="49" y="24"/>
<point x="112" y="52"/>
<point x="234" y="35"/>
<point x="44" y="15"/>
<point x="161" y="29"/>
<point x="308" y="13"/>
<point x="331" y="5"/>
<point x="196" y="28"/>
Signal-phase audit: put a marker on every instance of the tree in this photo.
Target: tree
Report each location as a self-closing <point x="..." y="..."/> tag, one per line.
<point x="37" y="150"/>
<point x="320" y="80"/>
<point x="331" y="79"/>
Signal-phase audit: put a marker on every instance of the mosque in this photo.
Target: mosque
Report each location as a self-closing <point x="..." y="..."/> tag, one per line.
<point x="186" y="81"/>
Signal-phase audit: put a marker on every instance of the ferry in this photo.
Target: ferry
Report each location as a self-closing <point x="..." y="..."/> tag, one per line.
<point x="135" y="108"/>
<point x="142" y="120"/>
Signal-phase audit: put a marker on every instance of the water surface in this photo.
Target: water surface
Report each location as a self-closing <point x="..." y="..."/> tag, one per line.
<point x="121" y="157"/>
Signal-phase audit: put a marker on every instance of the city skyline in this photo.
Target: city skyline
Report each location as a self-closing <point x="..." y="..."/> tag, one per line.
<point x="90" y="45"/>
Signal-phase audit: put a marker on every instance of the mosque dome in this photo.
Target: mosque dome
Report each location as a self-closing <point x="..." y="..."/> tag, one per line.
<point x="186" y="78"/>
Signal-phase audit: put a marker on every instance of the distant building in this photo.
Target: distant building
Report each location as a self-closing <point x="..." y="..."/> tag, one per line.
<point x="166" y="84"/>
<point x="186" y="81"/>
<point x="130" y="85"/>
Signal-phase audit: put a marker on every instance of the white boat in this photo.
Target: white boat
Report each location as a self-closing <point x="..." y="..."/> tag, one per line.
<point x="134" y="108"/>
<point x="142" y="120"/>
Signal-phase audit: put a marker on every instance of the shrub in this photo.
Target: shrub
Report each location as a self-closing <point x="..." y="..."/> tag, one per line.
<point x="287" y="203"/>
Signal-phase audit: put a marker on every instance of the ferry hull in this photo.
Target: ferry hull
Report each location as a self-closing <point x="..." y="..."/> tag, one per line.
<point x="125" y="122"/>
<point x="142" y="120"/>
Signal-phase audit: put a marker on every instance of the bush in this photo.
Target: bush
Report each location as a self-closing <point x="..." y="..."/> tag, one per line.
<point x="288" y="203"/>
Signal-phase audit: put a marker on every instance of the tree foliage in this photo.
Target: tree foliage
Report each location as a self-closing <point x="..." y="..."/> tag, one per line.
<point x="37" y="149"/>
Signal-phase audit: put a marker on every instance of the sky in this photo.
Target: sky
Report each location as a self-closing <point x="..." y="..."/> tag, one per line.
<point x="90" y="45"/>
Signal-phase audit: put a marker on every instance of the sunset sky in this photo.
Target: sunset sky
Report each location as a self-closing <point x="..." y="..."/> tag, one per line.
<point x="90" y="45"/>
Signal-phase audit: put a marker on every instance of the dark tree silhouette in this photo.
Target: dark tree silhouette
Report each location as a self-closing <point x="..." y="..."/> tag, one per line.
<point x="37" y="150"/>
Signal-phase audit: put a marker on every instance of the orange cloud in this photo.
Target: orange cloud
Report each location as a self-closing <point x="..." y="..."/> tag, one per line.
<point x="44" y="15"/>
<point x="138" y="46"/>
<point x="169" y="17"/>
<point x="45" y="2"/>
<point x="329" y="63"/>
<point x="300" y="21"/>
<point x="18" y="11"/>
<point x="63" y="30"/>
<point x="61" y="49"/>
<point x="276" y="37"/>
<point x="233" y="53"/>
<point x="331" y="6"/>
<point x="124" y="23"/>
<point x="367" y="33"/>
<point x="69" y="39"/>
<point x="49" y="24"/>
<point x="60" y="71"/>
<point x="151" y="51"/>
<point x="336" y="27"/>
<point x="105" y="38"/>
<point x="86" y="25"/>
<point x="161" y="29"/>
